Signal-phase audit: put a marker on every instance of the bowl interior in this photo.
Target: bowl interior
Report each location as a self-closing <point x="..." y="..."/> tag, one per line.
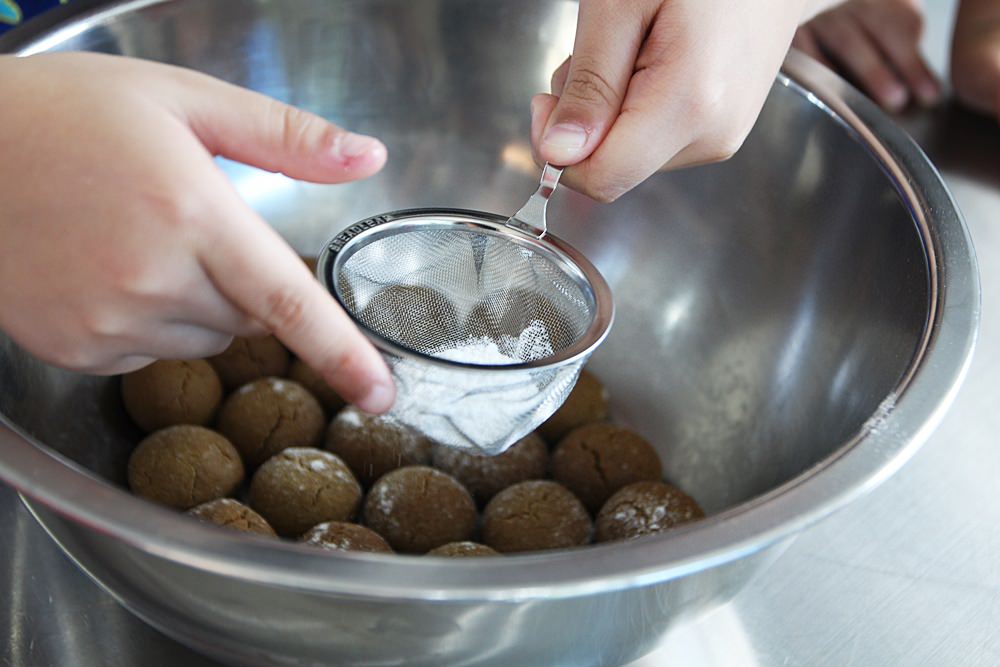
<point x="766" y="306"/>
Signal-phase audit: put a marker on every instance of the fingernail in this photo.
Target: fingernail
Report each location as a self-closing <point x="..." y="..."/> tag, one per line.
<point x="352" y="145"/>
<point x="379" y="398"/>
<point x="895" y="97"/>
<point x="565" y="141"/>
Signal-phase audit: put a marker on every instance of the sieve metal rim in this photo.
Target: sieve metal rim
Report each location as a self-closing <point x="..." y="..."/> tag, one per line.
<point x="341" y="247"/>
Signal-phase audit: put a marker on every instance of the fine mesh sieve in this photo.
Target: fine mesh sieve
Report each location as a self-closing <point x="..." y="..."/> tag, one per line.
<point x="484" y="321"/>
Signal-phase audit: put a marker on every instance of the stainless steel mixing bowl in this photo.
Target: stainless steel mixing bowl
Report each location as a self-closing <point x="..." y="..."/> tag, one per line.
<point x="792" y="324"/>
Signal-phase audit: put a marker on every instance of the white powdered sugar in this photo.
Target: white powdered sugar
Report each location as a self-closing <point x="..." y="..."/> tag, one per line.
<point x="534" y="342"/>
<point x="351" y="416"/>
<point x="225" y="502"/>
<point x="643" y="520"/>
<point x="307" y="460"/>
<point x="480" y="351"/>
<point x="462" y="406"/>
<point x="343" y="474"/>
<point x="876" y="423"/>
<point x="277" y="385"/>
<point x="385" y="498"/>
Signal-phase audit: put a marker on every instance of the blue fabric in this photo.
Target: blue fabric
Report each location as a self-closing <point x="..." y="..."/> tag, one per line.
<point x="15" y="12"/>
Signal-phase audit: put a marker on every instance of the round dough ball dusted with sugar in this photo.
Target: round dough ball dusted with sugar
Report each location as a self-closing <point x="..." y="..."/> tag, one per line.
<point x="302" y="373"/>
<point x="269" y="415"/>
<point x="247" y="359"/>
<point x="302" y="487"/>
<point x="418" y="508"/>
<point x="535" y="516"/>
<point x="343" y="536"/>
<point x="644" y="508"/>
<point x="184" y="466"/>
<point x="232" y="514"/>
<point x="587" y="402"/>
<point x="372" y="445"/>
<point x="171" y="392"/>
<point x="596" y="460"/>
<point x="485" y="476"/>
<point x="463" y="550"/>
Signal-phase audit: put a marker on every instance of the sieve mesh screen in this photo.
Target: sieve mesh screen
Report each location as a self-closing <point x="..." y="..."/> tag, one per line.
<point x="439" y="290"/>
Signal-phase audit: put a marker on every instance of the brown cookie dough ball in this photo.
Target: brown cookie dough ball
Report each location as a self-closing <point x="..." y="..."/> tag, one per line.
<point x="372" y="445"/>
<point x="232" y="514"/>
<point x="418" y="508"/>
<point x="644" y="508"/>
<point x="596" y="460"/>
<point x="303" y="374"/>
<point x="183" y="466"/>
<point x="247" y="359"/>
<point x="301" y="487"/>
<point x="485" y="476"/>
<point x="587" y="402"/>
<point x="266" y="416"/>
<point x="343" y="536"/>
<point x="463" y="550"/>
<point x="415" y="317"/>
<point x="169" y="392"/>
<point x="535" y="515"/>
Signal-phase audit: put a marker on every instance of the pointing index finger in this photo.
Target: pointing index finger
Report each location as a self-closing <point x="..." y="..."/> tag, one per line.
<point x="252" y="266"/>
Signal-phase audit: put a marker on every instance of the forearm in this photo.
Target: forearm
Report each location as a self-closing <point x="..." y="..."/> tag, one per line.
<point x="975" y="54"/>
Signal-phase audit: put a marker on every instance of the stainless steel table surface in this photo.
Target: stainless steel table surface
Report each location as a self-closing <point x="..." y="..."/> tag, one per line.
<point x="910" y="575"/>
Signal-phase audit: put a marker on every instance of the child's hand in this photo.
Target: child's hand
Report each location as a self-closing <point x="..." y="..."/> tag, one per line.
<point x="877" y="44"/>
<point x="656" y="83"/>
<point x="975" y="55"/>
<point x="121" y="241"/>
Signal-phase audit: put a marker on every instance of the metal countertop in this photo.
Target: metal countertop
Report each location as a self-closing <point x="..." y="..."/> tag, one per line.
<point x="910" y="575"/>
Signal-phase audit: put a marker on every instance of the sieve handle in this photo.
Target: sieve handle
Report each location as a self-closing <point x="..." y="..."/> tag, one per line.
<point x="531" y="217"/>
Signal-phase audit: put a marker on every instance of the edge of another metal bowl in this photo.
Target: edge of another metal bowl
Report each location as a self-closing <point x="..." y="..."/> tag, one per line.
<point x="859" y="465"/>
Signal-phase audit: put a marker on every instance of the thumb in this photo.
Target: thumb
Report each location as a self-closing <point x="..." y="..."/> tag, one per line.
<point x="608" y="37"/>
<point x="260" y="131"/>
